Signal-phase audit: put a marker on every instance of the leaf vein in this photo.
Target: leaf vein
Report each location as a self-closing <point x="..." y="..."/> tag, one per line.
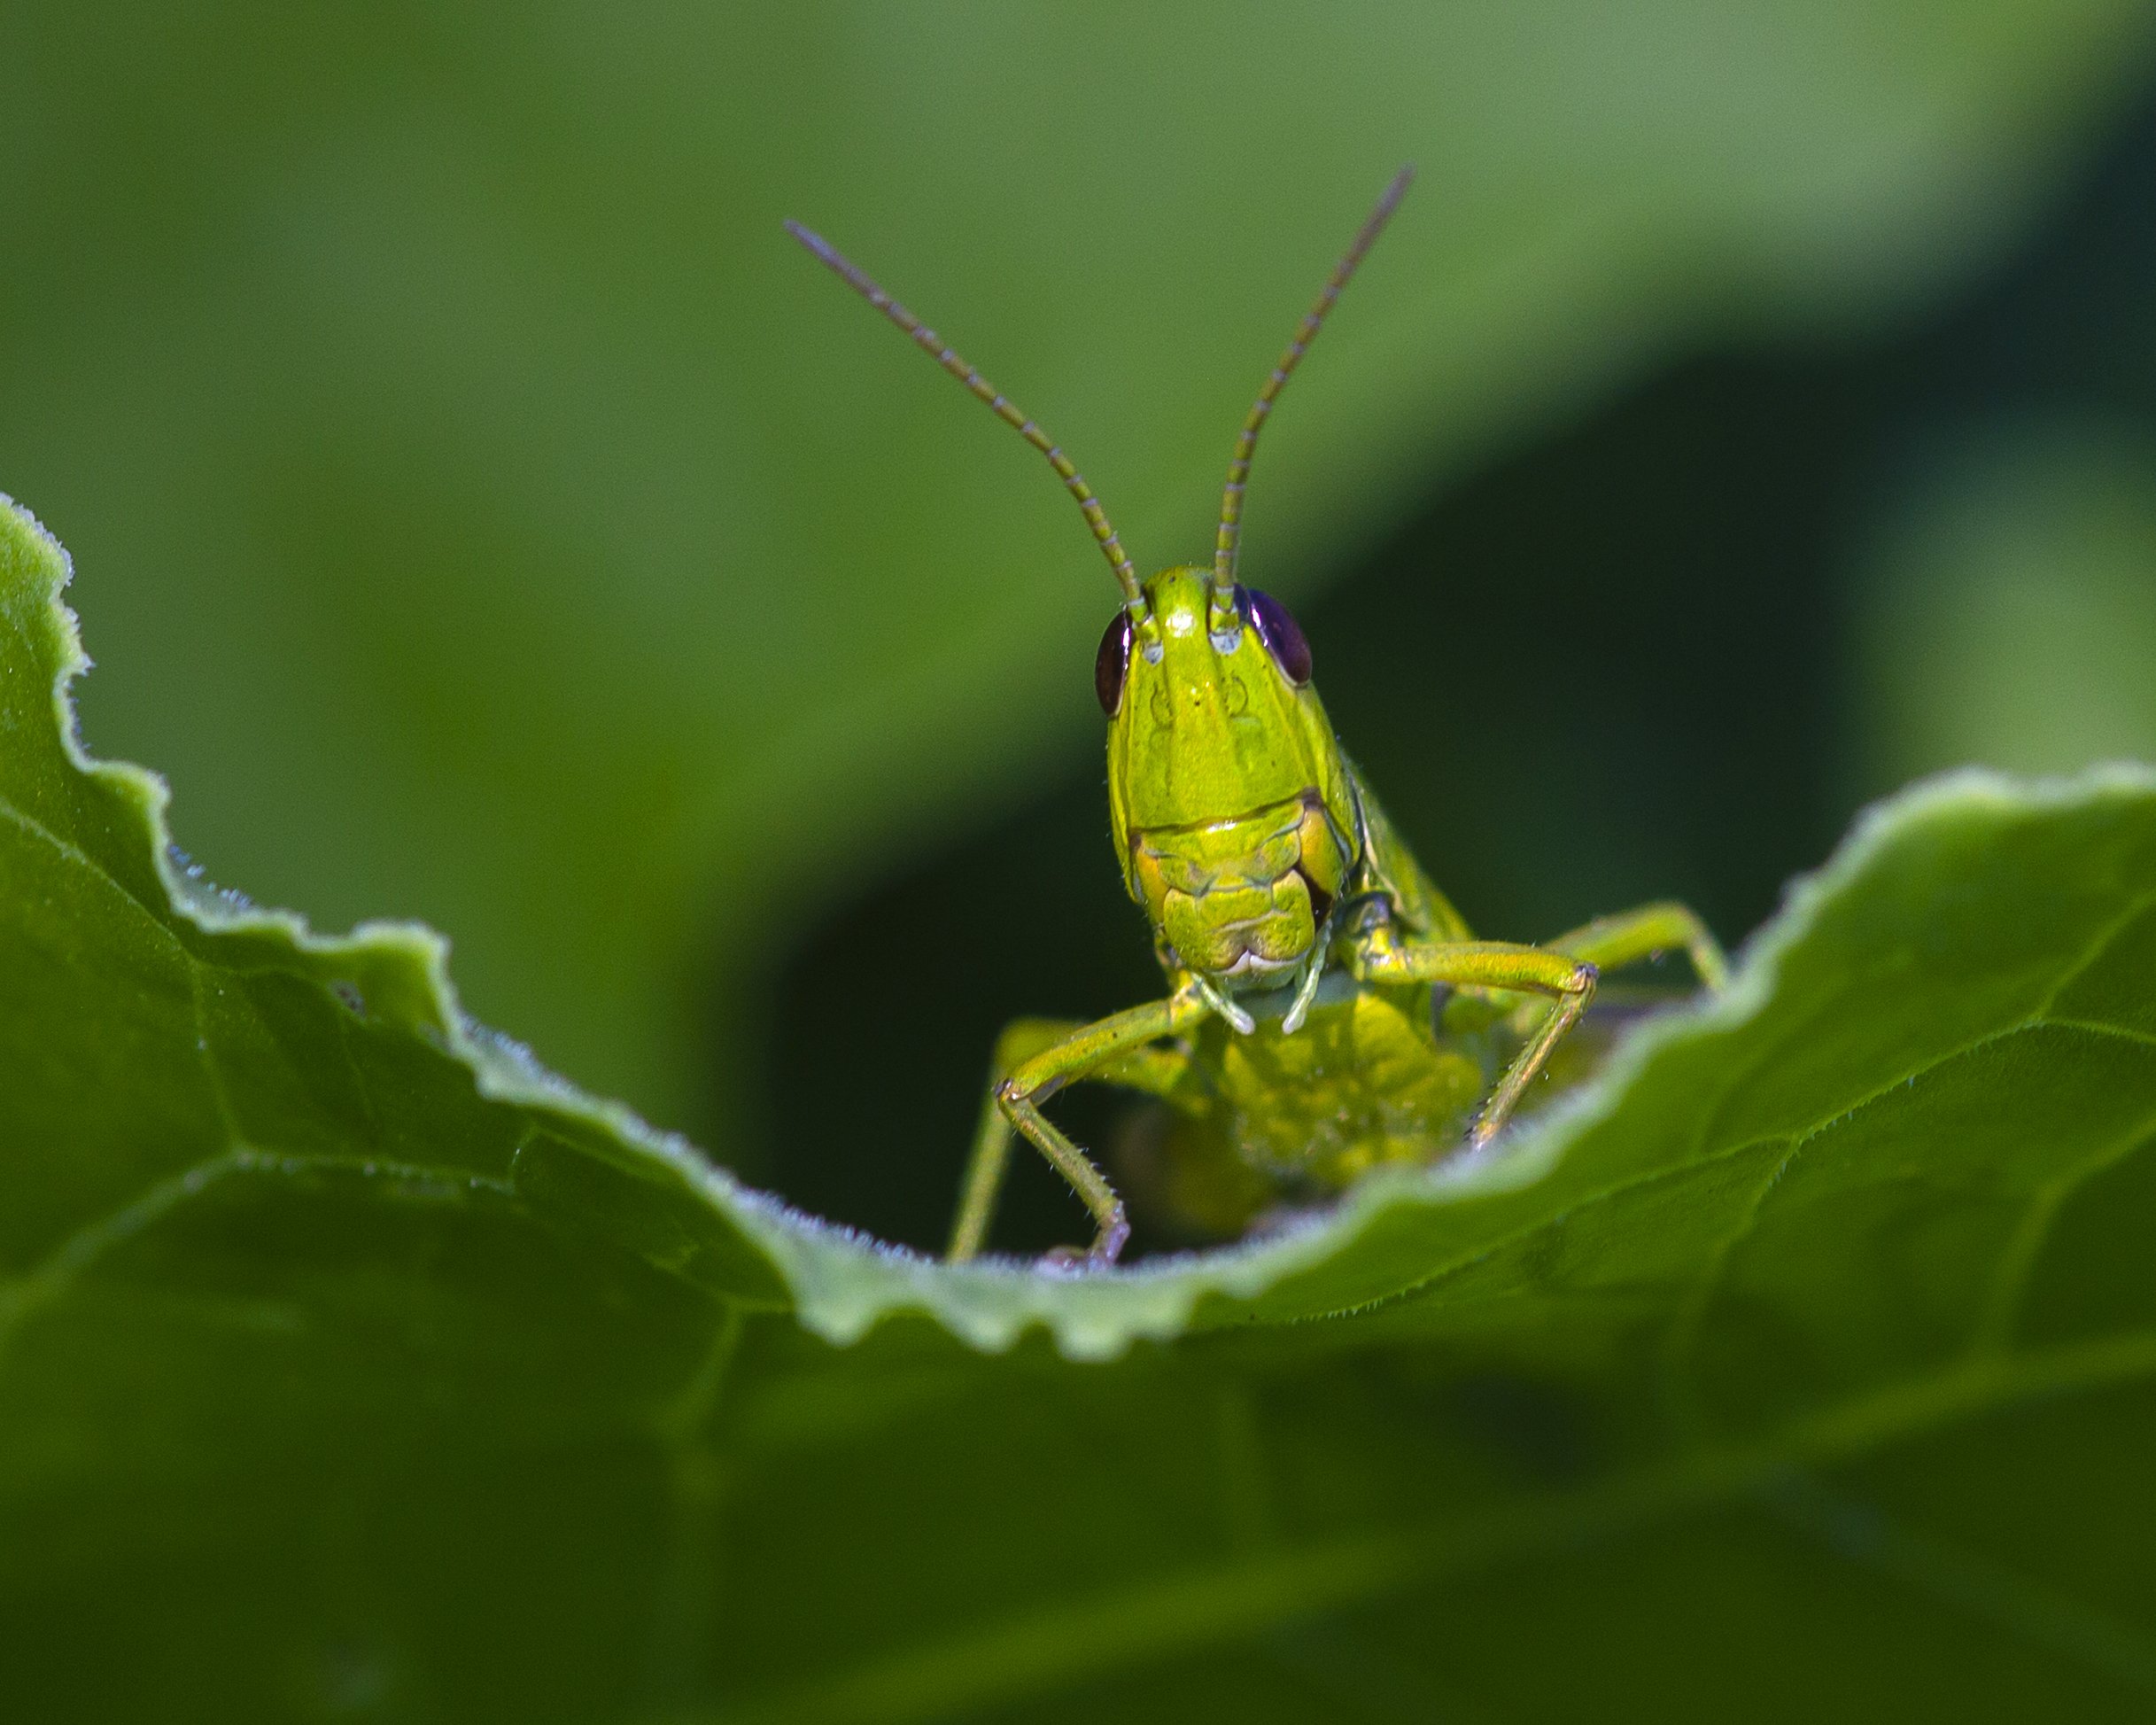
<point x="75" y="854"/>
<point x="2136" y="908"/>
<point x="1158" y="1616"/>
<point x="1981" y="1586"/>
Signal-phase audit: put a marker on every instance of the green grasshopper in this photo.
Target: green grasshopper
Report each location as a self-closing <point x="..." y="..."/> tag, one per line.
<point x="1328" y="1009"/>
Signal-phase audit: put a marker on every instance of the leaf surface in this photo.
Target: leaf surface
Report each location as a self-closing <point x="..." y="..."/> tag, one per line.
<point x="350" y="1365"/>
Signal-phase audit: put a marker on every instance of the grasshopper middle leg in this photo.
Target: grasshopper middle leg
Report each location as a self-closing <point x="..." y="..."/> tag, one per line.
<point x="1382" y="956"/>
<point x="1563" y="972"/>
<point x="1610" y="942"/>
<point x="1648" y="932"/>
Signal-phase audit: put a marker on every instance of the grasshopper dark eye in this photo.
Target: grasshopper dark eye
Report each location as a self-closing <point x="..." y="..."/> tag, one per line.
<point x="1282" y="636"/>
<point x="1112" y="664"/>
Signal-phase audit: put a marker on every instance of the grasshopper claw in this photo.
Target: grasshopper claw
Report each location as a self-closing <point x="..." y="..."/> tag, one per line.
<point x="1102" y="1255"/>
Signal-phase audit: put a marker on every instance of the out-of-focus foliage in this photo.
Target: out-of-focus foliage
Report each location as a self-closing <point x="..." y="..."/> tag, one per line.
<point x="502" y="524"/>
<point x="2010" y="611"/>
<point x="350" y="1365"/>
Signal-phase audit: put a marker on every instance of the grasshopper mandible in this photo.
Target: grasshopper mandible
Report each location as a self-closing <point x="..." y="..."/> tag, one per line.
<point x="1328" y="1009"/>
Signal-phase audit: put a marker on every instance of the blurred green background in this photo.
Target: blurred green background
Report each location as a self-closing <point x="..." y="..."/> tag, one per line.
<point x="484" y="515"/>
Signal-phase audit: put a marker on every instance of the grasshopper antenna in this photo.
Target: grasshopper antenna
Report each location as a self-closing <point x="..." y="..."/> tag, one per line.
<point x="1306" y="333"/>
<point x="1096" y="518"/>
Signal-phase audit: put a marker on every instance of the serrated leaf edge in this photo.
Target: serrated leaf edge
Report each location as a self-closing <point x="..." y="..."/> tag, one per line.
<point x="843" y="1281"/>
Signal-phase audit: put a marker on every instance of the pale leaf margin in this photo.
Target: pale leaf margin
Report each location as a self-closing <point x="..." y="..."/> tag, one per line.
<point x="839" y="1282"/>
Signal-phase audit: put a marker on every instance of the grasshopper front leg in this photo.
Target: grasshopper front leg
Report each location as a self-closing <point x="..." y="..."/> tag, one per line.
<point x="1381" y="956"/>
<point x="1036" y="1058"/>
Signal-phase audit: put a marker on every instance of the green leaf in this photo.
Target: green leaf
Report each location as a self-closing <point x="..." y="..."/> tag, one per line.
<point x="478" y="475"/>
<point x="1803" y="1363"/>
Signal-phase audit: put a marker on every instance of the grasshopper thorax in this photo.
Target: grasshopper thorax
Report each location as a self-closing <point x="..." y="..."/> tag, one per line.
<point x="1230" y="803"/>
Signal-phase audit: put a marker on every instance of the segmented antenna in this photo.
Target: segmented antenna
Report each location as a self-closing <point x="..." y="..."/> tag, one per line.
<point x="1096" y="518"/>
<point x="1306" y="333"/>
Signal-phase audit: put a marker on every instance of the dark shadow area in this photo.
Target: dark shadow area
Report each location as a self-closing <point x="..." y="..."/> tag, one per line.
<point x="1606" y="669"/>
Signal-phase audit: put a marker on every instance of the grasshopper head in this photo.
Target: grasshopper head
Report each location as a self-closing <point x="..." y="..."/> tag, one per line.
<point x="1232" y="814"/>
<point x="1229" y="804"/>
